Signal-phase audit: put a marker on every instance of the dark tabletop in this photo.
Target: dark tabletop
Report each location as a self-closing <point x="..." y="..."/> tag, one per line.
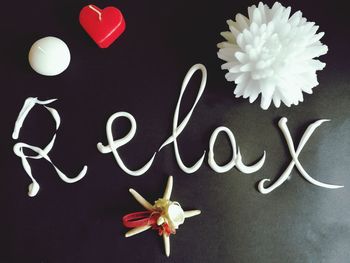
<point x="142" y="73"/>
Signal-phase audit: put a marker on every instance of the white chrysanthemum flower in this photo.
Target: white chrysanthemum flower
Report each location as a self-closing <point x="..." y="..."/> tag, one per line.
<point x="272" y="53"/>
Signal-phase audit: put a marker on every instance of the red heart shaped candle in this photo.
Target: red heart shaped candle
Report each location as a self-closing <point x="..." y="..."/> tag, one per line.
<point x="104" y="26"/>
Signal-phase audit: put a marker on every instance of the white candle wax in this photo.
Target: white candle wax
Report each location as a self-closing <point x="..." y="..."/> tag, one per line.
<point x="49" y="56"/>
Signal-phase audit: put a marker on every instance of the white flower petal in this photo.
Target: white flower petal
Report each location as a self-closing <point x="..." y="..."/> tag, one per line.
<point x="294" y="20"/>
<point x="234" y="31"/>
<point x="257" y="17"/>
<point x="228" y="36"/>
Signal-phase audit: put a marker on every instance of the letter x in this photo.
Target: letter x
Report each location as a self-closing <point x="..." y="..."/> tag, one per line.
<point x="295" y="161"/>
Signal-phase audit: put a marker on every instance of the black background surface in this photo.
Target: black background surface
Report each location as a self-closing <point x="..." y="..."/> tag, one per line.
<point x="142" y="73"/>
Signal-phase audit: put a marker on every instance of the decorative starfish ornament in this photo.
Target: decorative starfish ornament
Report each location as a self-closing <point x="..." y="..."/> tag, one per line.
<point x="165" y="216"/>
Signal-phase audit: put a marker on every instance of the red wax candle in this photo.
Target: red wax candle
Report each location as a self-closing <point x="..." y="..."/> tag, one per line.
<point x="104" y="26"/>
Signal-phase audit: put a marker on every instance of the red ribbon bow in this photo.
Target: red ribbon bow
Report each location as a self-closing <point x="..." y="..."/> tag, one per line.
<point x="147" y="218"/>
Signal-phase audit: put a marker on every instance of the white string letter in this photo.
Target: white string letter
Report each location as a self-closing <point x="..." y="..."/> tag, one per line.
<point x="34" y="187"/>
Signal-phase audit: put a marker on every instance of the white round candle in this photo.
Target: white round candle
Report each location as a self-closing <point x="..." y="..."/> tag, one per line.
<point x="49" y="56"/>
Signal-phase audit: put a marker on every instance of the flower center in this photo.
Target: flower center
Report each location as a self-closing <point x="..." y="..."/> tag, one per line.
<point x="265" y="54"/>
